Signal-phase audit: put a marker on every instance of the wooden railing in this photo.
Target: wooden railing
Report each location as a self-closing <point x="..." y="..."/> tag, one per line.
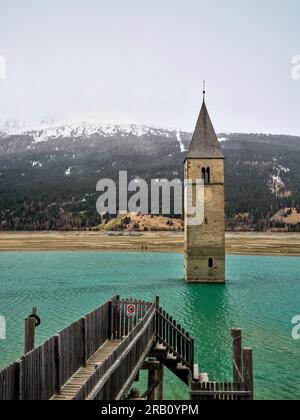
<point x="242" y="387"/>
<point x="113" y="378"/>
<point x="9" y="382"/>
<point x="137" y="326"/>
<point x="123" y="322"/>
<point x="41" y="373"/>
<point x="174" y="338"/>
<point x="206" y="391"/>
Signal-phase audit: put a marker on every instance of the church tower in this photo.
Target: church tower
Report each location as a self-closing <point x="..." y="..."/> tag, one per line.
<point x="205" y="243"/>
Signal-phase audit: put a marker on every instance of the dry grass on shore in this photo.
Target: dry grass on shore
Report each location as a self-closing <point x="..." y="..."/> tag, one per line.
<point x="236" y="243"/>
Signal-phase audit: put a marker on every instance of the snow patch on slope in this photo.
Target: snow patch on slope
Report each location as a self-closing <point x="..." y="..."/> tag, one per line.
<point x="36" y="164"/>
<point x="179" y="139"/>
<point x="277" y="186"/>
<point x="68" y="171"/>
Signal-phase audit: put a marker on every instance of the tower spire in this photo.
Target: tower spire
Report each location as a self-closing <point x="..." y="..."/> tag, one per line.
<point x="204" y="90"/>
<point x="204" y="143"/>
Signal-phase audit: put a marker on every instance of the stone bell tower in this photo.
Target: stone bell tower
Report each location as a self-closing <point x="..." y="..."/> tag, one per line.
<point x="205" y="243"/>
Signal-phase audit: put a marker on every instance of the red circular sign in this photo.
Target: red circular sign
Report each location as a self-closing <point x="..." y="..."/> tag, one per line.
<point x="131" y="310"/>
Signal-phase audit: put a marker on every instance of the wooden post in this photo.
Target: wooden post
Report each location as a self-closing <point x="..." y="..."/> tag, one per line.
<point x="237" y="354"/>
<point x="157" y="304"/>
<point x="171" y="332"/>
<point x="174" y="335"/>
<point x="179" y="349"/>
<point x="43" y="394"/>
<point x="134" y="394"/>
<point x="29" y="334"/>
<point x="30" y="323"/>
<point x="152" y="379"/>
<point x="187" y="348"/>
<point x="160" y="378"/>
<point x="248" y="370"/>
<point x="19" y="385"/>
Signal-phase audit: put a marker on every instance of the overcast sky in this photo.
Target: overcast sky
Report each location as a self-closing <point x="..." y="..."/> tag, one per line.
<point x="143" y="61"/>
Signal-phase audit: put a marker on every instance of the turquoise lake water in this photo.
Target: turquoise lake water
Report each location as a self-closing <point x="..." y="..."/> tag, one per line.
<point x="262" y="296"/>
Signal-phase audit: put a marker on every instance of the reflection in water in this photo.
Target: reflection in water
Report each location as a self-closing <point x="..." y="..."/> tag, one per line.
<point x="261" y="297"/>
<point x="207" y="313"/>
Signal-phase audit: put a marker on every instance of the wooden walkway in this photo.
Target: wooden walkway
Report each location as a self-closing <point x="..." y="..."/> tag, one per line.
<point x="100" y="356"/>
<point x="77" y="381"/>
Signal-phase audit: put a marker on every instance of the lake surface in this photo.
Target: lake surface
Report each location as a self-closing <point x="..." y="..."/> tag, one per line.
<point x="262" y="296"/>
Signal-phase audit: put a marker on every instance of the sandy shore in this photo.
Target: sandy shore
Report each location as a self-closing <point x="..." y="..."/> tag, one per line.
<point x="236" y="243"/>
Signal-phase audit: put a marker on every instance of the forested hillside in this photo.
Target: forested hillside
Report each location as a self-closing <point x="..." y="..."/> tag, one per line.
<point x="48" y="178"/>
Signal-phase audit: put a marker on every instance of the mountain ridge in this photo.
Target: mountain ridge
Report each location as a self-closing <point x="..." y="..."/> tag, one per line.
<point x="48" y="177"/>
<point x="84" y="127"/>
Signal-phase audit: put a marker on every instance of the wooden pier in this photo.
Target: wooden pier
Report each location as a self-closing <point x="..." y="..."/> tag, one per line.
<point x="99" y="357"/>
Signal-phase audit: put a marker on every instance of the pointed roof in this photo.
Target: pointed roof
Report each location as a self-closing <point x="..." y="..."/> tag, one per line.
<point x="205" y="143"/>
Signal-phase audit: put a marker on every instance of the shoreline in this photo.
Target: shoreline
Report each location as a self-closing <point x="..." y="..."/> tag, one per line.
<point x="249" y="243"/>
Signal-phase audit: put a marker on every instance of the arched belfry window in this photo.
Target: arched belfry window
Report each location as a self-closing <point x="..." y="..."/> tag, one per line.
<point x="210" y="262"/>
<point x="205" y="175"/>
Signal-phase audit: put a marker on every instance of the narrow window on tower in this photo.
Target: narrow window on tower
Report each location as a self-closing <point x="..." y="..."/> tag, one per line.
<point x="210" y="262"/>
<point x="207" y="177"/>
<point x="204" y="175"/>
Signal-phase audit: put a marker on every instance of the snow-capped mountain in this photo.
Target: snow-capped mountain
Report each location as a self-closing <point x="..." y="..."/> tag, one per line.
<point x="44" y="133"/>
<point x="84" y="129"/>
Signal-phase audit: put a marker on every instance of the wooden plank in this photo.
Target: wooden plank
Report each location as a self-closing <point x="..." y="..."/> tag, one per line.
<point x="43" y="394"/>
<point x="72" y="387"/>
<point x="58" y="362"/>
<point x="127" y="346"/>
<point x="118" y="334"/>
<point x="248" y="371"/>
